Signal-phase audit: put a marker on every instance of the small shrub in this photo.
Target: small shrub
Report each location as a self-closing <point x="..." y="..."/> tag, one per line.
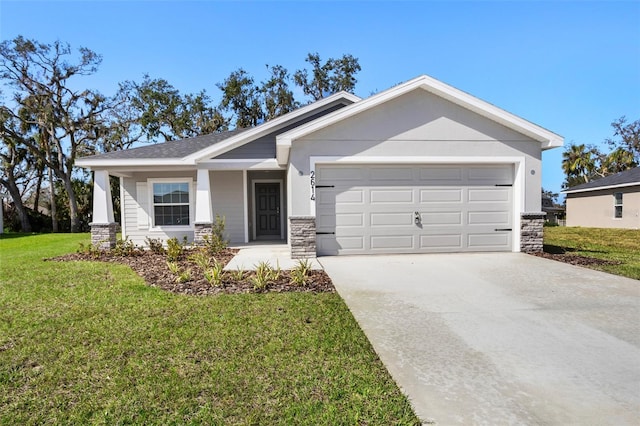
<point x="263" y="274"/>
<point x="274" y="273"/>
<point x="174" y="249"/>
<point x="214" y="275"/>
<point x="155" y="245"/>
<point x="201" y="259"/>
<point x="238" y="274"/>
<point x="184" y="276"/>
<point x="174" y="268"/>
<point x="300" y="273"/>
<point x="216" y="242"/>
<point x="88" y="249"/>
<point x="125" y="248"/>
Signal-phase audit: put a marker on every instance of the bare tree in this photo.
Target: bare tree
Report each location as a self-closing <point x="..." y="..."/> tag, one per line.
<point x="66" y="119"/>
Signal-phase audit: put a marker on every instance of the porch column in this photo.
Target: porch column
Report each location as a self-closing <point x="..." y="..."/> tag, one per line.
<point x="103" y="226"/>
<point x="204" y="212"/>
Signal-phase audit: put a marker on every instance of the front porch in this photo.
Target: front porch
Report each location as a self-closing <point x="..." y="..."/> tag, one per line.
<point x="253" y="203"/>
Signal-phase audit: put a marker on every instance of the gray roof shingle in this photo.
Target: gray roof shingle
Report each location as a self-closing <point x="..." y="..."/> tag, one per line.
<point x="172" y="149"/>
<point x="622" y="178"/>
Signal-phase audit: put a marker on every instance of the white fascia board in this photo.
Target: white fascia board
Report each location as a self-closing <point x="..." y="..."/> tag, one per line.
<point x="129" y="162"/>
<point x="547" y="138"/>
<point x="600" y="188"/>
<point x="269" y="126"/>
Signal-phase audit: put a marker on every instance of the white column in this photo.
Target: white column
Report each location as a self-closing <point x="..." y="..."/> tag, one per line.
<point x="204" y="212"/>
<point x="102" y="205"/>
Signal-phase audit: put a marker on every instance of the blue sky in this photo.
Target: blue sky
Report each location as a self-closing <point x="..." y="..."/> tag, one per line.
<point x="571" y="67"/>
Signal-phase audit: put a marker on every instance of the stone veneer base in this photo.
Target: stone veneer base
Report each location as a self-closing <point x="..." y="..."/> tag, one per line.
<point x="200" y="230"/>
<point x="103" y="235"/>
<point x="532" y="232"/>
<point x="303" y="237"/>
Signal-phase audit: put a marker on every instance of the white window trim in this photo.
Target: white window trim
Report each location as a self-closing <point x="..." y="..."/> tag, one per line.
<point x="621" y="205"/>
<point x="151" y="204"/>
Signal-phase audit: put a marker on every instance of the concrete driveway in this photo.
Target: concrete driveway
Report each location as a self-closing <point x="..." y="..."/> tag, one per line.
<point x="500" y="338"/>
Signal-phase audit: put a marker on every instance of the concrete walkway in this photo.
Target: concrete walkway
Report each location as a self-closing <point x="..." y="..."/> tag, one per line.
<point x="500" y="338"/>
<point x="277" y="254"/>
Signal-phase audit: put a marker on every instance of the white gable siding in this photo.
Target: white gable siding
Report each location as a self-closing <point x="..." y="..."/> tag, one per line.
<point x="418" y="124"/>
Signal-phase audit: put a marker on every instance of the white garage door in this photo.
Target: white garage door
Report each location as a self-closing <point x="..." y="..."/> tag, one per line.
<point x="363" y="209"/>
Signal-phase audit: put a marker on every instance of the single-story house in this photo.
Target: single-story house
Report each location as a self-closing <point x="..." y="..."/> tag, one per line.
<point x="421" y="167"/>
<point x="610" y="202"/>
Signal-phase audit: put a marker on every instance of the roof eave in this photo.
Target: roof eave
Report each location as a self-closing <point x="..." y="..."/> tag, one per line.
<point x="600" y="188"/>
<point x="95" y="164"/>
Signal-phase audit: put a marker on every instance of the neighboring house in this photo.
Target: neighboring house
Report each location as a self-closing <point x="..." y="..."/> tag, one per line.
<point x="553" y="212"/>
<point x="609" y="202"/>
<point x="421" y="167"/>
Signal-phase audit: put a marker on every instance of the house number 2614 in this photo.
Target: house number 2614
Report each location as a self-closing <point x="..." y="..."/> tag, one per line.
<point x="312" y="181"/>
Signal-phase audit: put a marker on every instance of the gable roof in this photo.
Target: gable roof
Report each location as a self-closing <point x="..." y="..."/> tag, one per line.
<point x="547" y="138"/>
<point x="192" y="150"/>
<point x="629" y="177"/>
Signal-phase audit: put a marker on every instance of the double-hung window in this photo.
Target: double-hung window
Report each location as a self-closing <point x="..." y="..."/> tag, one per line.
<point x="617" y="205"/>
<point x="171" y="203"/>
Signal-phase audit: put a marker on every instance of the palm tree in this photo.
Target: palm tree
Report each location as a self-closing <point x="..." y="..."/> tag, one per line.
<point x="579" y="163"/>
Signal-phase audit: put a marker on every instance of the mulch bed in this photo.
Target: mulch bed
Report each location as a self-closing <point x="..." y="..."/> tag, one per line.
<point x="153" y="268"/>
<point x="575" y="259"/>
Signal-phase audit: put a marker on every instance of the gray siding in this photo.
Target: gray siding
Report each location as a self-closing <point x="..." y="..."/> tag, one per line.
<point x="227" y="197"/>
<point x="265" y="147"/>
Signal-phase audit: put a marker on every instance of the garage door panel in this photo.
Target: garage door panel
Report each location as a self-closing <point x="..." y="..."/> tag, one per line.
<point x="439" y="242"/>
<point x="354" y="196"/>
<point x="489" y="218"/>
<point x="392" y="242"/>
<point x="349" y="219"/>
<point x="437" y="175"/>
<point x="371" y="209"/>
<point x="441" y="195"/>
<point x="488" y="240"/>
<point x="391" y="219"/>
<point x="395" y="196"/>
<point x="441" y="218"/>
<point x="490" y="174"/>
<point x="340" y="174"/>
<point x="489" y="195"/>
<point x="383" y="175"/>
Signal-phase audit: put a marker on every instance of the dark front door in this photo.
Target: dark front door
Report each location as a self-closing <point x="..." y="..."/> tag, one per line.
<point x="268" y="209"/>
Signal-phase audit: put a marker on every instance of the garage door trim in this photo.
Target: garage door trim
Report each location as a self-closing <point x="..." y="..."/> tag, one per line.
<point x="517" y="162"/>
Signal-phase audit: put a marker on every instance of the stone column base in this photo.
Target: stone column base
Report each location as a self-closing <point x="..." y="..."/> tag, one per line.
<point x="303" y="237"/>
<point x="200" y="230"/>
<point x="531" y="232"/>
<point x="103" y="235"/>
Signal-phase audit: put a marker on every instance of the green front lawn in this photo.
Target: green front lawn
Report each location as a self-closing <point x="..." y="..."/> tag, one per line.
<point x="619" y="245"/>
<point x="88" y="342"/>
